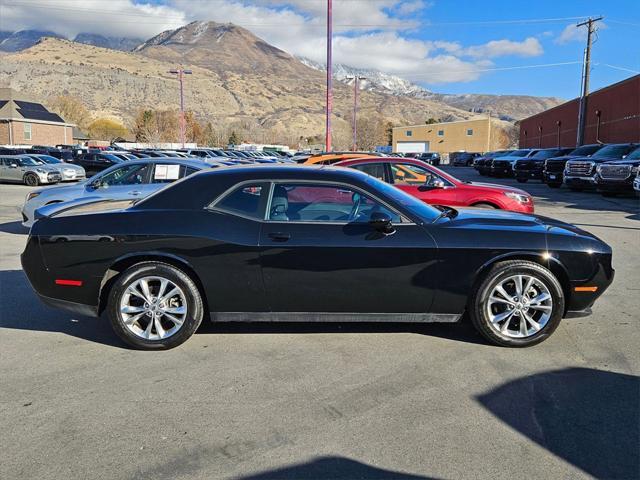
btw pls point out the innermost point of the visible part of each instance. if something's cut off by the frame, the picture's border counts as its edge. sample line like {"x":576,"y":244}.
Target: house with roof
{"x":25,"y":121}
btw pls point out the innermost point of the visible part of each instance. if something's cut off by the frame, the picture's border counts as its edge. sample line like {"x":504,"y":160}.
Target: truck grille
{"x":580,"y":168}
{"x":615,"y":172}
{"x":554,"y":165}
{"x":524,"y":165}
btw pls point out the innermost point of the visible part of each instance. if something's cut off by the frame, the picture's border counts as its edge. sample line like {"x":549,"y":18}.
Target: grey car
{"x":24,"y":169}
{"x":123,"y":181}
{"x":69,"y":171}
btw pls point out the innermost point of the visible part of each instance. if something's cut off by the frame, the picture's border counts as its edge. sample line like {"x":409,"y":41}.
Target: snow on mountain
{"x":375,"y":80}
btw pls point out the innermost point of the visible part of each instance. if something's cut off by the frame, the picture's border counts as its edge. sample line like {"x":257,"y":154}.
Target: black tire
{"x":554,"y":185}
{"x":499,"y":272}
{"x":194,"y":305}
{"x":522,"y":180}
{"x":31,"y":180}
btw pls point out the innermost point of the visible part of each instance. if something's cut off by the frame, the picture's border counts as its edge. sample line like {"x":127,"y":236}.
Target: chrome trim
{"x":334,"y":317}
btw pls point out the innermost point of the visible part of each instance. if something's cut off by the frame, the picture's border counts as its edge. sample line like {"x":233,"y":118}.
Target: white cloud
{"x":573,"y":33}
{"x":368,"y":34}
{"x":529,"y":47}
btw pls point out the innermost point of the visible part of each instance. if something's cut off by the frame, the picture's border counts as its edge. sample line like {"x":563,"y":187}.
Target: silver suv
{"x":27,"y":170}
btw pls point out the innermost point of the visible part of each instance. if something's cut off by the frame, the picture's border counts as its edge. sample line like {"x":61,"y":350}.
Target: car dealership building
{"x":612,"y":116}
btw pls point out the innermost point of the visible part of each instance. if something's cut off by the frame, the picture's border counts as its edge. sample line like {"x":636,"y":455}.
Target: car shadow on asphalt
{"x":589,"y":418}
{"x":335,"y":468}
{"x":20,"y":309}
{"x":13,"y":227}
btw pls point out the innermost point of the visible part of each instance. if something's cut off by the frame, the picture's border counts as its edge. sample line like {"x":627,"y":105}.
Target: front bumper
{"x":636,"y":184}
{"x":529,"y":174}
{"x":50,"y":177}
{"x":581,"y":182}
{"x":614,"y":185}
{"x":552,"y":177}
{"x":498,"y":170}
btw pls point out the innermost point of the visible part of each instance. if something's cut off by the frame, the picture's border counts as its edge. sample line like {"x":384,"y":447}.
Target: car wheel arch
{"x":486,"y":202}
{"x":123,"y":263}
{"x":552,"y":264}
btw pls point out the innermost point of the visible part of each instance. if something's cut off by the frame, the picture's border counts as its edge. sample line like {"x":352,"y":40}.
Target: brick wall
{"x":4,"y":133}
{"x":41,"y":134}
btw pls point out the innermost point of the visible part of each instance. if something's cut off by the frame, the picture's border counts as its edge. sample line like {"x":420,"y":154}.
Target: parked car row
{"x":610,"y":169}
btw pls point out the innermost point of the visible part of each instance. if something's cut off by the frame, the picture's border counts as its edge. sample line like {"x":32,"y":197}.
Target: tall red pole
{"x":329,"y":77}
{"x":355,"y":113}
{"x":183,"y":126}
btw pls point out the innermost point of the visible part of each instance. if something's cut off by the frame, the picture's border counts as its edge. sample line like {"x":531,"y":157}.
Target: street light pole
{"x":356,"y":87}
{"x":183,"y":126}
{"x":329,"y":105}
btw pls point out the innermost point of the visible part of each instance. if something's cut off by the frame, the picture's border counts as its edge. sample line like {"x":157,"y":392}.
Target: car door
{"x":320,"y":254}
{"x":4,"y":169}
{"x":162,"y":174}
{"x":122,"y":183}
{"x":423,"y":183}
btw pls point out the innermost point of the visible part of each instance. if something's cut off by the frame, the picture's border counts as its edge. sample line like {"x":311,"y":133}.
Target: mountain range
{"x":237,"y":77}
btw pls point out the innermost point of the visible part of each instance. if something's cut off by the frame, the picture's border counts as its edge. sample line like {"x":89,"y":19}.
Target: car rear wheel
{"x":31,"y":180}
{"x":154,"y":306}
{"x":517,"y":304}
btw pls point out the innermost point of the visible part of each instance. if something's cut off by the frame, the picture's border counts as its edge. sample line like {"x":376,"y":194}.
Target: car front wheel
{"x":517,"y":304}
{"x":154,"y":305}
{"x":31,"y":180}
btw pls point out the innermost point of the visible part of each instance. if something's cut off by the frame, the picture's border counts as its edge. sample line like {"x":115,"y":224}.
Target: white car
{"x":69,"y":171}
{"x":24,"y":169}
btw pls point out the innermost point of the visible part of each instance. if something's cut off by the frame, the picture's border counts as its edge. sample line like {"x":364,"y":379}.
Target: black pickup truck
{"x":552,"y":173}
{"x":580,"y":173}
{"x":617,"y":177}
{"x":530,"y":168}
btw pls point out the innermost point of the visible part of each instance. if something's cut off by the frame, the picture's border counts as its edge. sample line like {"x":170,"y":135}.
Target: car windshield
{"x":519,"y":153}
{"x":635,"y":155}
{"x":612,"y":151}
{"x":48,"y":159}
{"x":585,"y":150}
{"x":542,"y":154}
{"x":411,"y":203}
{"x":28,"y":162}
{"x":112,"y":157}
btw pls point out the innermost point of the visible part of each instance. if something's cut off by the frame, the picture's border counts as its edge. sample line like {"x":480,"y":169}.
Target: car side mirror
{"x":382,"y":223}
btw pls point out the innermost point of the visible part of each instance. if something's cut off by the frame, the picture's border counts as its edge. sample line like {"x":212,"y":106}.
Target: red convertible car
{"x":433,"y":186}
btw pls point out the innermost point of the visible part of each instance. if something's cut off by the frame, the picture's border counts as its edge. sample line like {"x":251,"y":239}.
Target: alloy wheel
{"x":153,"y":308}
{"x":519,"y":306}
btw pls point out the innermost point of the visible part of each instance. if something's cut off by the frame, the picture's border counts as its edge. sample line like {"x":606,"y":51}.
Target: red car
{"x":436,"y":187}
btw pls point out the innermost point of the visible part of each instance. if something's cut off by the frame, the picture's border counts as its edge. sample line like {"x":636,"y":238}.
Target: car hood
{"x":506,"y":220}
{"x":495,"y":186}
{"x":593,"y":159}
{"x":63,"y":190}
{"x":46,"y":167}
{"x":632,"y":162}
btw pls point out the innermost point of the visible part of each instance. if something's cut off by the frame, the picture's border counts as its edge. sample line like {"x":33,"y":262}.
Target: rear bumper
{"x":73,"y":307}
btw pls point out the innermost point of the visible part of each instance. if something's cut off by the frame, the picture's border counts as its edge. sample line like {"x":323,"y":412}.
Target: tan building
{"x":480,"y":135}
{"x":24,"y":121}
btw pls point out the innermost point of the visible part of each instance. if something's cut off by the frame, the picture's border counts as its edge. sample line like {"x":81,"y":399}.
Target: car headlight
{"x":634,"y":170}
{"x":32,"y":195}
{"x":518,"y":197}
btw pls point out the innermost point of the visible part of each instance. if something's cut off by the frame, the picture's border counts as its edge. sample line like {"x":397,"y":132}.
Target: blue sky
{"x":445,"y":45}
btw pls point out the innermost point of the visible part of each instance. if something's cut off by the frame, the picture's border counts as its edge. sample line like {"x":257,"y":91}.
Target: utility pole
{"x":183,"y":125}
{"x":356,"y":87}
{"x":329,"y":106}
{"x":586,"y":71}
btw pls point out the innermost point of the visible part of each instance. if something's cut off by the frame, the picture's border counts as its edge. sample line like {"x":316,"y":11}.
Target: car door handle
{"x":279,"y":236}
{"x":135,"y":192}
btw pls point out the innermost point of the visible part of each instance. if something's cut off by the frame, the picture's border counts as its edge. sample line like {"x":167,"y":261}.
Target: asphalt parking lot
{"x":326,"y":400}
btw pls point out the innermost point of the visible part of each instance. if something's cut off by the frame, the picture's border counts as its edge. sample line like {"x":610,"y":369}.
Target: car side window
{"x":374,"y":169}
{"x":167,"y":173}
{"x":246,"y":201}
{"x":299,"y":202}
{"x":409,"y":174}
{"x":135,"y":174}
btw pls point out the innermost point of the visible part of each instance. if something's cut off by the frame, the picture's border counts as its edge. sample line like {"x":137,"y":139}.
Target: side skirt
{"x":334,"y":317}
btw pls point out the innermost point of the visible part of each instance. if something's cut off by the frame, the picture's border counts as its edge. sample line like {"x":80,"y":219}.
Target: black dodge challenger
{"x":294,"y":243}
